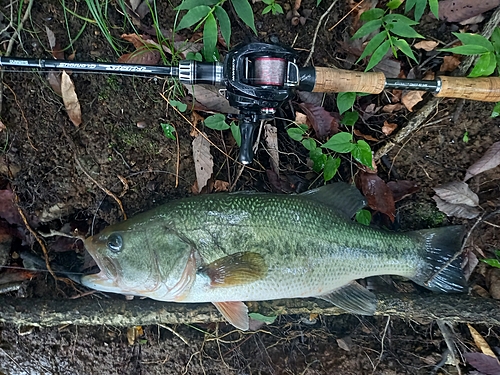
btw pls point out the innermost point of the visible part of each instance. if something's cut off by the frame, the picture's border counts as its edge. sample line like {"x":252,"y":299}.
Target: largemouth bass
{"x":235,"y":247}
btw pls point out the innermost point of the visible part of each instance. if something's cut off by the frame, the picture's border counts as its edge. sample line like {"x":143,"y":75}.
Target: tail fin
{"x":439,"y":271}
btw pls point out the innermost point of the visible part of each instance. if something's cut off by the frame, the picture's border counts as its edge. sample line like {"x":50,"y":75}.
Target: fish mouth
{"x":102,"y":282}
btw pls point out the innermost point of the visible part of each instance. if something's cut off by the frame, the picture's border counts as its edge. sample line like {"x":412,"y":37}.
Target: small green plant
{"x":419,"y":6}
{"x":393,"y":26}
{"x":208,"y":13}
{"x":168,"y":130}
{"x":494,"y":262}
{"x":364,"y":217}
{"x":489,"y":55}
{"x":218,"y":122}
{"x":465,"y":138}
{"x":273,"y":7}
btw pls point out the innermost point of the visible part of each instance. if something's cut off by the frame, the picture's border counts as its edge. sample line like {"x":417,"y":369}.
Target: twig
{"x":11,"y":44}
{"x":334,"y":2}
{"x":382,"y":344}
{"x":346,"y":15}
{"x":416,"y":122}
{"x":448,"y":338}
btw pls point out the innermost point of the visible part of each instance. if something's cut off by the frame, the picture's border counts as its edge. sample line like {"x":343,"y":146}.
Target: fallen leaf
{"x":365,"y":136}
{"x":133,"y":334}
{"x":426,"y":45}
{"x":300,"y":118}
{"x":493,"y":282}
{"x":8,"y":209}
{"x":402,"y":189}
{"x":460,"y":10}
{"x":412,"y":98}
{"x":220,"y":185}
{"x":484,"y":363}
{"x":203,"y":160}
{"x":377,"y":193}
{"x":143,"y":55}
{"x":209,"y":97}
{"x":389,"y":108}
{"x":54,"y":79}
{"x":57,"y":52}
{"x":480,"y":342}
{"x":271,"y":138}
{"x":125,"y":184}
{"x":450,"y":63}
{"x":322,"y":121}
{"x":70,"y":99}
{"x":473,"y":20}
{"x":315,"y":98}
{"x":456,"y":210}
{"x":471,"y":262}
{"x":2,"y":126}
{"x":390,"y":67}
{"x":389,"y":127}
{"x":489,"y":160}
{"x":195,"y":119}
{"x":345,"y":343}
{"x":457,"y":192}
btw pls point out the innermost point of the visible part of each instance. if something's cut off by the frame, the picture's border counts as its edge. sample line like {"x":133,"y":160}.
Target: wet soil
{"x":48,"y":162}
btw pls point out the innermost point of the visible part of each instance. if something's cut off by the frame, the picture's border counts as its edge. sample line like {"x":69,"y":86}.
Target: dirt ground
{"x":47,"y":161}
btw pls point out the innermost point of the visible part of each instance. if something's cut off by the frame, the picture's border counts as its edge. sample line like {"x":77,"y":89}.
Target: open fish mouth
{"x":101,"y":281}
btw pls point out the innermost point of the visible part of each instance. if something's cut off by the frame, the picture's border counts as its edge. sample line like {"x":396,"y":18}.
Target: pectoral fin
{"x":235,"y":313}
{"x":353,"y":298}
{"x":235,"y":269}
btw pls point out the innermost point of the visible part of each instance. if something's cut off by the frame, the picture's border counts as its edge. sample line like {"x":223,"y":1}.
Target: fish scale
{"x":228,"y":248}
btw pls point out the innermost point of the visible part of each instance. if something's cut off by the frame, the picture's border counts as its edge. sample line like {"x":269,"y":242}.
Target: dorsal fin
{"x":339,"y":196}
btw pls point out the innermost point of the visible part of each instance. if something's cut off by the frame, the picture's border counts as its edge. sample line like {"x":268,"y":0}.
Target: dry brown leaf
{"x":480,"y":342}
{"x":390,"y":108}
{"x":483,"y":363}
{"x":125,"y":185}
{"x":489,"y":160}
{"x":220,"y":185}
{"x":203,"y":160}
{"x":473,"y":20}
{"x":411,"y":99}
{"x":57,"y":52}
{"x":143,"y":55}
{"x":2,"y":126}
{"x":457,"y":192}
{"x":133,"y":334}
{"x":322,"y":121}
{"x":315,"y":98}
{"x":300,"y":118}
{"x":209,"y":97}
{"x":195,"y":119}
{"x":365,"y":136}
{"x":377,"y":193}
{"x":389,"y":127}
{"x":460,"y":10}
{"x":70,"y":99}
{"x":450,"y":63}
{"x":402,"y":189}
{"x":426,"y":45}
{"x":493,"y":282}
{"x":54,"y":79}
{"x":345,"y":343}
{"x":471,"y":262}
{"x":457,"y":210}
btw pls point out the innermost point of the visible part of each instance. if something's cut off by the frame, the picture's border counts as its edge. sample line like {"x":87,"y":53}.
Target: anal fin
{"x":235,"y":312}
{"x":353,"y":298}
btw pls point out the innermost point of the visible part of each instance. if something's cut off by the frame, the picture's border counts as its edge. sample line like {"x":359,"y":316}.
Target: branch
{"x":452,"y":308}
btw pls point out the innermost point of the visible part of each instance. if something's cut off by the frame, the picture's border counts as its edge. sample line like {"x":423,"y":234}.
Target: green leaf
{"x":277,"y":9}
{"x":404,"y":30}
{"x":373,"y":44}
{"x":345,"y":101}
{"x":434,"y":5}
{"x":245,"y":12}
{"x":318,"y":2}
{"x":262,"y":318}
{"x":496,"y":110}
{"x":209,"y":38}
{"x":235,"y":131}
{"x":497,"y":253}
{"x":474,"y":40}
{"x":304,"y":127}
{"x":340,"y":142}
{"x":367,"y":28}
{"x":295,"y":133}
{"x":495,"y":39}
{"x":189,"y":4}
{"x":378,"y":55}
{"x":179,"y":105}
{"x":466,"y":50}
{"x":224,"y":23}
{"x":194,"y":56}
{"x":309,"y":143}
{"x":485,"y":65}
{"x":419,"y":9}
{"x":350,"y":118}
{"x":405,"y":48}
{"x":394,"y":17}
{"x":318,"y":158}
{"x":362,"y":153}
{"x":492,"y":262}
{"x":168,"y":130}
{"x":409,"y":5}
{"x":394,"y":4}
{"x":465,"y":138}
{"x":216,"y":122}
{"x":192,"y":16}
{"x":331,"y":167}
{"x":372,"y":14}
{"x":364,"y":217}
{"x":267,"y":9}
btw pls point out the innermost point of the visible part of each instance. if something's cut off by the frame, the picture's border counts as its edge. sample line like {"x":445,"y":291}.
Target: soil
{"x":47,"y":161}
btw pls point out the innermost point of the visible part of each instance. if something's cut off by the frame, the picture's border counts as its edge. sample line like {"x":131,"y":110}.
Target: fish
{"x":228,"y":248}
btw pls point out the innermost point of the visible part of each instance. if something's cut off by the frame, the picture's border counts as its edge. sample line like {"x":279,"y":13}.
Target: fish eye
{"x":115,"y":243}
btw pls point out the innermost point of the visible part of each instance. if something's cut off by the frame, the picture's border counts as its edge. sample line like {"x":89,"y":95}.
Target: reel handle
{"x":485,"y":89}
{"x":247,"y":130}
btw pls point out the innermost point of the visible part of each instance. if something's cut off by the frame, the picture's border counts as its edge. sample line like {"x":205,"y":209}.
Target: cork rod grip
{"x":485,"y":89}
{"x":338,"y":80}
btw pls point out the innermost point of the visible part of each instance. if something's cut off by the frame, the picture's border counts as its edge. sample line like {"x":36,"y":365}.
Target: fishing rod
{"x":257,"y":78}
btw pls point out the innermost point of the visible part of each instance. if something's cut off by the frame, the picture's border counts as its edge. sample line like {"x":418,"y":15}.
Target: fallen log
{"x":119,"y":312}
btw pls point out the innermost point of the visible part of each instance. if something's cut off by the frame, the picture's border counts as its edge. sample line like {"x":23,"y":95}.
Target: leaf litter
{"x":489,"y":160}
